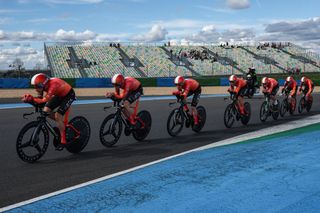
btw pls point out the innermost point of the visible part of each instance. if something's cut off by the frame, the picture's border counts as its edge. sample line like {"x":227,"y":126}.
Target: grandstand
{"x":103,"y":60}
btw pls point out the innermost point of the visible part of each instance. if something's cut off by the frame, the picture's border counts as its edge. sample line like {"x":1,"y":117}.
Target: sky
{"x":26,"y":24}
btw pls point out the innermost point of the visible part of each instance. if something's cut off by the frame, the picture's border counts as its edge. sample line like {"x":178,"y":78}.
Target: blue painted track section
{"x":274,"y":174}
{"x":99,"y":101}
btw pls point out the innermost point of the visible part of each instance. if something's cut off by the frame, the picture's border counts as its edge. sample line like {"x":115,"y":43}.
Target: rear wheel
{"x":110,"y":130}
{"x":309,"y":105}
{"x":229,"y":116}
{"x":141,"y":133}
{"x":264,"y":111}
{"x":202,"y":118}
{"x":175,"y":122}
{"x":32,"y":150}
{"x":245,"y":119}
{"x":77,"y":144}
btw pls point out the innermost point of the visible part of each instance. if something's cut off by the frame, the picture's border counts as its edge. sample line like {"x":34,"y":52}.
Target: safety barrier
{"x":224,"y":82}
{"x":11,"y":83}
{"x":92,"y":82}
{"x":165,"y":82}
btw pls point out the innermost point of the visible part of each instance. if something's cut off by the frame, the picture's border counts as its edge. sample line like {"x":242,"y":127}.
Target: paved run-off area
{"x":279,"y":172}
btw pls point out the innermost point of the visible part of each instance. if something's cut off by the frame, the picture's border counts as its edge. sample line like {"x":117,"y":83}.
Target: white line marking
{"x":252,"y":135}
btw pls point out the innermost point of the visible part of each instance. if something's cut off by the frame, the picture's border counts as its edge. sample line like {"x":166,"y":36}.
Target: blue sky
{"x":26,"y":24}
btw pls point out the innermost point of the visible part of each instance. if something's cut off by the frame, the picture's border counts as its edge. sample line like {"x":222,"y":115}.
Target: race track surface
{"x":20,"y":181}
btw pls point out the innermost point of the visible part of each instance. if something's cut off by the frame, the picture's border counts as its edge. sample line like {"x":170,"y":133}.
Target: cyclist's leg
{"x":194,"y":103}
{"x":241,"y":105}
{"x":131,"y":104}
{"x":52,"y":105}
{"x":273,"y":95}
{"x":240,"y":101}
{"x":64,"y":109}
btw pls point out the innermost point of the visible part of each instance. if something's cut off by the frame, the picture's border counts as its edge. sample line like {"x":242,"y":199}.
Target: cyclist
{"x":252,"y":81}
{"x":271,"y":87}
{"x":306,"y":86}
{"x":186,"y":88}
{"x":132,"y":90}
{"x":290,"y":86}
{"x":238,"y":87}
{"x":59,"y":96}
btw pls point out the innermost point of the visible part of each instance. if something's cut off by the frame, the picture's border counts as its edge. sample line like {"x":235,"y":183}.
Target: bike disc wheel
{"x":264,"y":111}
{"x":309,"y":105}
{"x":31,"y":151}
{"x":82,"y":125}
{"x":110,"y":131}
{"x":245,"y":119}
{"x":175,"y":122}
{"x":141,"y":133}
{"x":229,"y":116}
{"x":202,"y":118}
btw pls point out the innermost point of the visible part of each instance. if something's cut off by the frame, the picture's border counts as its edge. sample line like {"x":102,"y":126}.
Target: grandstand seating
{"x":156,"y":61}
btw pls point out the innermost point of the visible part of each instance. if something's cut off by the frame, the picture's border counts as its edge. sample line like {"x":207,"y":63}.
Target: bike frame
{"x":181,"y":110}
{"x":43,"y":122}
{"x":119,"y":115}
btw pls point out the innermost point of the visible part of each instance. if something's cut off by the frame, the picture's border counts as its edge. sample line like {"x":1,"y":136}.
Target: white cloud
{"x":175,"y":24}
{"x":29,"y":56}
{"x":157,"y":33}
{"x":62,"y":35}
{"x":210,"y":34}
{"x":238,"y":4}
{"x":74,"y":1}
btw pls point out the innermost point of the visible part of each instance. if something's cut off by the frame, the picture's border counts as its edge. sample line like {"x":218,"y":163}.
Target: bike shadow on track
{"x":167,"y":146}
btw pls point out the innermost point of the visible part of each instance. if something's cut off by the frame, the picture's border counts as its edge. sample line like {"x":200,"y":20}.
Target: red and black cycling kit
{"x":308,"y":87}
{"x":58,"y":94}
{"x":132,"y":90}
{"x":291,"y":86}
{"x":271,"y":87}
{"x":239,"y":87}
{"x":190,"y":87}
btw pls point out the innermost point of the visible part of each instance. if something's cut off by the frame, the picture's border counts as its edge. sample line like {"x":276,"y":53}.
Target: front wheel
{"x":301,"y":105}
{"x":175,"y":122}
{"x":202,"y":114}
{"x":264,"y":111}
{"x":110,"y":130}
{"x":245,"y":119}
{"x":32,"y":142}
{"x":275,"y":112}
{"x":229,"y":116}
{"x":77,"y":141}
{"x":145,"y":122}
{"x":283,"y":107}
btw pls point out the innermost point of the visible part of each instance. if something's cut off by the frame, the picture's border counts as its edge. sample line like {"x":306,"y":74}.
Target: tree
{"x":17,"y":65}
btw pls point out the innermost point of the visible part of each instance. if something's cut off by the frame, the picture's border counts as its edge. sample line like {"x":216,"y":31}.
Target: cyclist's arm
{"x":119,"y":95}
{"x":44,"y":99}
{"x":40,"y":94}
{"x":269,"y":90}
{"x":231,"y":89}
{"x":309,"y":88}
{"x":294,"y":90}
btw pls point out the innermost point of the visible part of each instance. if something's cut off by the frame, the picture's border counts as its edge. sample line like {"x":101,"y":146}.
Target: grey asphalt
{"x":21,"y":181}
